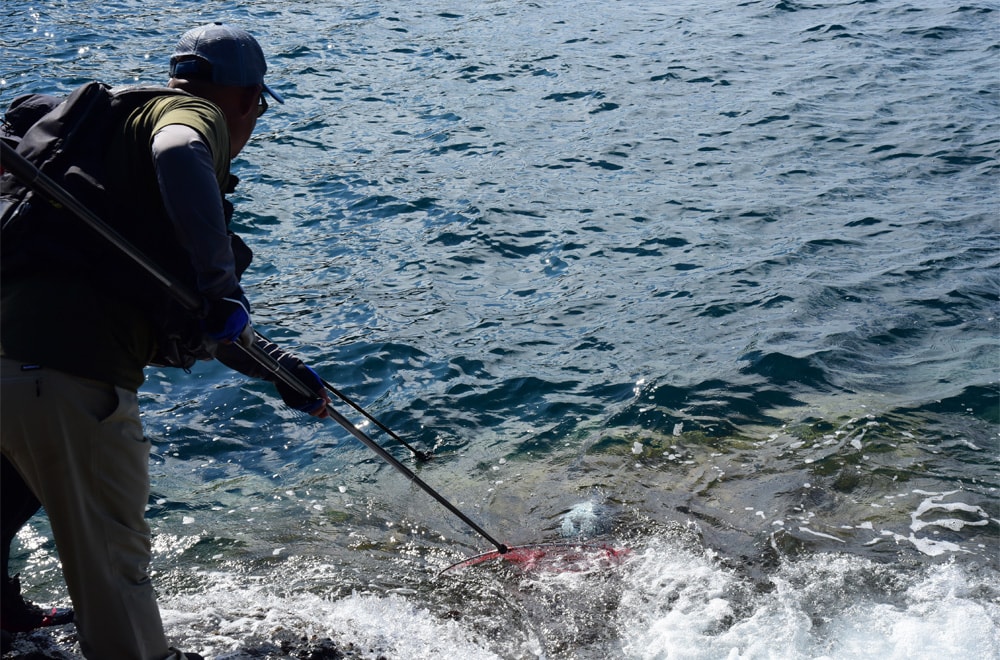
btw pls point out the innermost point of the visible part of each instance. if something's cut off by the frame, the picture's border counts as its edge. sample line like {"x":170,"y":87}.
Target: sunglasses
{"x":261,"y":106}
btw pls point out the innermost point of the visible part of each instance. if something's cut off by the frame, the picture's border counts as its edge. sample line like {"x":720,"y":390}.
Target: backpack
{"x":22,"y":113}
{"x":67,"y":140}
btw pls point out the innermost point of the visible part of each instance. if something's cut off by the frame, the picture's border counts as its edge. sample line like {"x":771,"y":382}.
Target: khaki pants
{"x":78,"y":443}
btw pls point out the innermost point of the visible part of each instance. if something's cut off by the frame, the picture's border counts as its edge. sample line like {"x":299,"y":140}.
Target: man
{"x":80,"y":325}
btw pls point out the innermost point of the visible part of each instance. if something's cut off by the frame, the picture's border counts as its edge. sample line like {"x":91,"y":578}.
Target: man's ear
{"x":249,"y":98}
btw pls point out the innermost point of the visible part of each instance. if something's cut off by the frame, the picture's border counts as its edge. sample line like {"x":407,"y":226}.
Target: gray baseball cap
{"x":222,"y":54}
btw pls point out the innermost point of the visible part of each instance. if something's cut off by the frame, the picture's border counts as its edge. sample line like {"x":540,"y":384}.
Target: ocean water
{"x":713,"y":282}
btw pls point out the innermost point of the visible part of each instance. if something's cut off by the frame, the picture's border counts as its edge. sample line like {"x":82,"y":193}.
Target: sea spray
{"x":680,"y":602}
{"x":585,"y":520}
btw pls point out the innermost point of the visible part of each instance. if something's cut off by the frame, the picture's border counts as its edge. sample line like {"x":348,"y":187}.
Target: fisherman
{"x":79,"y":328}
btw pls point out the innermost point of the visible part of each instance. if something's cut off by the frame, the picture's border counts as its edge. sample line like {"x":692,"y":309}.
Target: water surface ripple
{"x":726,"y":274}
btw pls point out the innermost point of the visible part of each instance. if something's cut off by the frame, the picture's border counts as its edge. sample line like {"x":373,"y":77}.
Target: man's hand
{"x":315,"y":406}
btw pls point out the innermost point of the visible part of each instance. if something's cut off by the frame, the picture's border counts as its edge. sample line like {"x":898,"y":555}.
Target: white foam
{"x":938,"y":617}
{"x":679,"y":604}
{"x":820,"y":534}
{"x":666,"y":601}
{"x":934,"y":503}
{"x":581,"y":520}
{"x":228,"y":612}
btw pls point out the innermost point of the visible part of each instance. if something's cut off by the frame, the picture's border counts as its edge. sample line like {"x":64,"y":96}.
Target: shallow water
{"x":715,"y":284}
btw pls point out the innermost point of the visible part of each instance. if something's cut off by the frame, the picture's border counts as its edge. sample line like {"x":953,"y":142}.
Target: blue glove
{"x":306,"y":374}
{"x":226,"y":318}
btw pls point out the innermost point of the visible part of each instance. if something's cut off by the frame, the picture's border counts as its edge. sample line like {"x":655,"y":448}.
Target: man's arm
{"x":193,"y":200}
{"x":186,"y":177}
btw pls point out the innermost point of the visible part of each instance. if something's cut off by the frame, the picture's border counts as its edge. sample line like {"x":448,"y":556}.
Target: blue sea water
{"x":715,"y":282}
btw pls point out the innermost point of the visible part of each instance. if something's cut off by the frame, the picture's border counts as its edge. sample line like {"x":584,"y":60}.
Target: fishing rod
{"x":420,"y":456}
{"x":44,"y":185}
{"x":267,"y":361}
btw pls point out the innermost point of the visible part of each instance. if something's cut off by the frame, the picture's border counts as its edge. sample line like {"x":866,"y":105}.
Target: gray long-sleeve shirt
{"x":186,"y":176}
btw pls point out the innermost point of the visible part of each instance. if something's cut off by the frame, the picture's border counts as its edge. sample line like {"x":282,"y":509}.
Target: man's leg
{"x":17,"y":505}
{"x":79,"y":446}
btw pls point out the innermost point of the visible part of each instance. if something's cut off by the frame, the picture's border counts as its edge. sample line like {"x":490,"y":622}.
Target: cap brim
{"x":275,"y":95}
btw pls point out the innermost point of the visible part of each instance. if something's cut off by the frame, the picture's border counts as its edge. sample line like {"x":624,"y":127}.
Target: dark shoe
{"x":19,"y":615}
